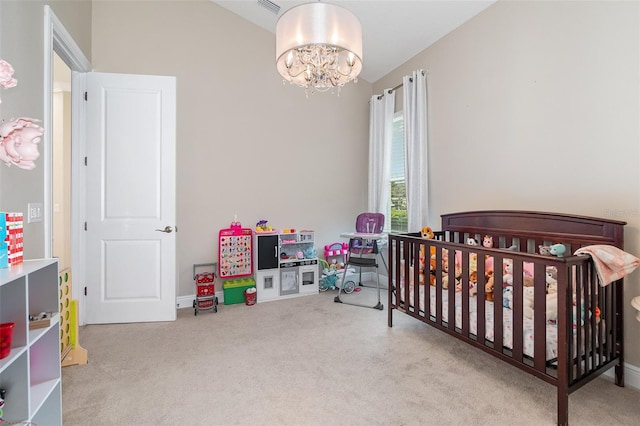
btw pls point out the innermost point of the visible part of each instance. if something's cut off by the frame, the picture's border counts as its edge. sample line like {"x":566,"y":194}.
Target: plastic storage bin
{"x":234,"y":289}
{"x":6,"y":336}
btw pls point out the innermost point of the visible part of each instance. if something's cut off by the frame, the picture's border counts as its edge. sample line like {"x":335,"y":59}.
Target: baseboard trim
{"x":631,"y":376}
{"x":183,"y":302}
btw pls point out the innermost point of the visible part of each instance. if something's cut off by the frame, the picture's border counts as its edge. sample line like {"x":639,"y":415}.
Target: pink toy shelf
{"x":235,"y":245}
{"x":336,"y":249}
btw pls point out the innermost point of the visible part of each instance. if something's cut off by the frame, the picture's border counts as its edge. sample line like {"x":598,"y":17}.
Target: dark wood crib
{"x":572,"y":332}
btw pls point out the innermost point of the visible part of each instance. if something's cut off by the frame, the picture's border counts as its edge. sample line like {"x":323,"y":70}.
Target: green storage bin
{"x":234,"y":289}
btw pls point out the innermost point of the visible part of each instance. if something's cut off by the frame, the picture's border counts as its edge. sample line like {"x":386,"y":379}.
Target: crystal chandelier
{"x":319,"y":46}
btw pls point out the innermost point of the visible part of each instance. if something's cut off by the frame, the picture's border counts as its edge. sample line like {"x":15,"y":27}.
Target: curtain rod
{"x":393,"y":89}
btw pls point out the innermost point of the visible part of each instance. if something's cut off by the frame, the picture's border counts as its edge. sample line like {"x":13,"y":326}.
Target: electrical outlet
{"x":34,"y":212}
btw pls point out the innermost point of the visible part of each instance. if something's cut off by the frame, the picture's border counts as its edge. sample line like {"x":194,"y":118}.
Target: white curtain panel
{"x":380,"y":138}
{"x":415,"y":142}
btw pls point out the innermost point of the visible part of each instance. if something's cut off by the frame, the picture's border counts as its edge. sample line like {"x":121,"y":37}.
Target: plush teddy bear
{"x":551,"y":312}
{"x":507,"y":273}
{"x":473,"y":283}
{"x":472,"y":242}
{"x":488,"y":286}
{"x":487,"y":241}
{"x":432,"y":271}
{"x":527,"y":302}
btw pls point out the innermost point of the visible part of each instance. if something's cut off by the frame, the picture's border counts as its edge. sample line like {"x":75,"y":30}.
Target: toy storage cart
{"x":206,"y":299}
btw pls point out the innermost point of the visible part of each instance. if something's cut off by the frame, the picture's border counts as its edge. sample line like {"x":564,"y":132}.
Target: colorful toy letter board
{"x":11,"y":239}
{"x":234,"y":252}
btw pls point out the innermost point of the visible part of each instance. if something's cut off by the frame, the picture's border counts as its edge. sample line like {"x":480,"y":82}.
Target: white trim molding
{"x":631,"y":376}
{"x":57,"y":39}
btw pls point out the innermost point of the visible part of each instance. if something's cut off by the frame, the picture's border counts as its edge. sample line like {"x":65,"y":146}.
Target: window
{"x":398,"y":197}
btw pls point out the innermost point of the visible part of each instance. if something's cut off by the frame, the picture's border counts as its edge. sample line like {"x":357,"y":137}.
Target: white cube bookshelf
{"x":31,"y":373}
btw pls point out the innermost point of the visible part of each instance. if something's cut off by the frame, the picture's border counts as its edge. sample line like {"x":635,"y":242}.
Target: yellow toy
{"x":262,"y":226}
{"x":427,"y":233}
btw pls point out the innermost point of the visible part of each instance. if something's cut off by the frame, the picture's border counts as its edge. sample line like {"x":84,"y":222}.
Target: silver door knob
{"x":166,"y":229}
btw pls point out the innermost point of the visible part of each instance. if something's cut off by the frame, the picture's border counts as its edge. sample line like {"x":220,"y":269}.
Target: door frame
{"x":58,"y":39}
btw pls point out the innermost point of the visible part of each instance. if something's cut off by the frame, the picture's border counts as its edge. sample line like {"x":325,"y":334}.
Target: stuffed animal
{"x":473,"y":283}
{"x":552,"y":279}
{"x":557,"y":250}
{"x":544,"y":250}
{"x":487,"y":241}
{"x":472,"y":242}
{"x":427,"y":233}
{"x":507,"y":297}
{"x":488,"y":287}
{"x":432,"y":271}
{"x":507,"y":275}
{"x":551,"y":312}
{"x":527,"y":302}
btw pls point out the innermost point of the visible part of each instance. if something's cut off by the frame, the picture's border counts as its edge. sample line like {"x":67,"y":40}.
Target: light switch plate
{"x":34,"y":212}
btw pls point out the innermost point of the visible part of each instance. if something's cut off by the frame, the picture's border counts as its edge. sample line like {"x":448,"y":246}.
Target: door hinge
{"x":85,"y":290}
{"x":85,"y":96}
{"x":85,"y":161}
{"x":85,"y":226}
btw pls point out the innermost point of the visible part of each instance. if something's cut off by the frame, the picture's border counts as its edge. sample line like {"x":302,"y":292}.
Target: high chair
{"x":364,"y":251}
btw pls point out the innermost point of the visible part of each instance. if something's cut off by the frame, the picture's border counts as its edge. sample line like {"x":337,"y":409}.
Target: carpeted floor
{"x":310,"y":361}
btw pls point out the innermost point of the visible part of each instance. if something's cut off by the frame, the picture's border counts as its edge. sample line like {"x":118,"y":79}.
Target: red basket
{"x":250,"y":298}
{"x":203,"y":278}
{"x":6,"y":336}
{"x":206,"y":290}
{"x":205,"y":285}
{"x":205,"y":303}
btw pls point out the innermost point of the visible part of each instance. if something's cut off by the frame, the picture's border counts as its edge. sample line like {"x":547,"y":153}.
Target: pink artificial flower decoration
{"x":6,"y":75}
{"x":18,"y":142}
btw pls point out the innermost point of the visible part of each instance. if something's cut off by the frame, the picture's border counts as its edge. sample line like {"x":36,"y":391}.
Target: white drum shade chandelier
{"x":319,"y":46}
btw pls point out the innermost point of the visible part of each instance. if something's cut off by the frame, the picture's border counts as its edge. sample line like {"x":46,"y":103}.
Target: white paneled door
{"x":131,"y":213}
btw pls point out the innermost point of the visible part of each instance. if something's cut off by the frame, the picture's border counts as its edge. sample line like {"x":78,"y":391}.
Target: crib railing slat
{"x":451,"y":290}
{"x":578,"y":322}
{"x":517,"y":310}
{"x":466,"y":285}
{"x":481,"y":297}
{"x":539,"y":316}
{"x":498,"y":317}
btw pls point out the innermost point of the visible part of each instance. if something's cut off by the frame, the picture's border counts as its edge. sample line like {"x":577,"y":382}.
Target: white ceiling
{"x":393,"y":30}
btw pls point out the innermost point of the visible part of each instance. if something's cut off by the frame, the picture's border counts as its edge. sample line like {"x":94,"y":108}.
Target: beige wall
{"x":535,"y":106}
{"x":246,"y":144}
{"x":22,"y":45}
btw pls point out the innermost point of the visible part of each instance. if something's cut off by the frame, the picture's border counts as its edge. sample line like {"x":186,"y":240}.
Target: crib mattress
{"x":507,"y":318}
